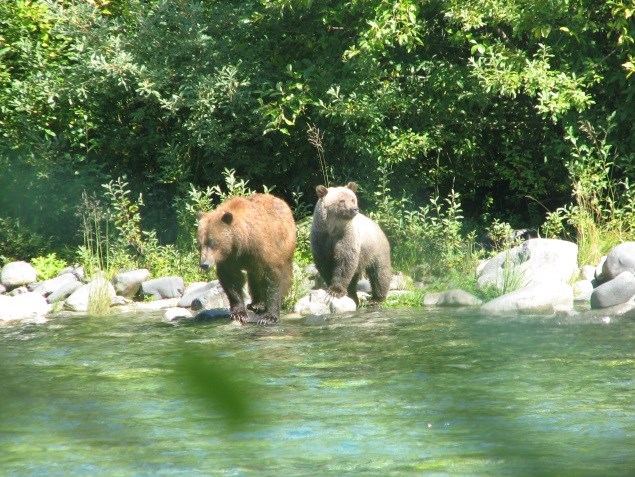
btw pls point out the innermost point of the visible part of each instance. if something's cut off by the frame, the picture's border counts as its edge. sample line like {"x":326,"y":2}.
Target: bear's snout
{"x":351,"y":212}
{"x":205,"y":265}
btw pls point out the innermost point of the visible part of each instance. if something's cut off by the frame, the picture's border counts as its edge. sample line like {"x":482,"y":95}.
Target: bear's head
{"x":214,"y":238}
{"x":339,"y":202}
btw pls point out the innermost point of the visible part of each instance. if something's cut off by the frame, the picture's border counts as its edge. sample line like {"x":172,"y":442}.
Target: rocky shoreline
{"x":543,"y":274}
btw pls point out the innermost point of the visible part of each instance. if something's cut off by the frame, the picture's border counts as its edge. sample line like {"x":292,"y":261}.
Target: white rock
{"x":582,"y":290}
{"x":15,"y":274}
{"x":587,"y":272}
{"x":172,"y":314}
{"x":454,"y":297}
{"x":128,"y":283}
{"x":27,"y":306}
{"x":534,"y":262}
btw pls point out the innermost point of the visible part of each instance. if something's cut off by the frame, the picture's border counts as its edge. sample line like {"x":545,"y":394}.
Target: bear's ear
{"x":321,"y":191}
{"x":199,"y":215}
{"x":227,"y":217}
{"x":352,"y":186}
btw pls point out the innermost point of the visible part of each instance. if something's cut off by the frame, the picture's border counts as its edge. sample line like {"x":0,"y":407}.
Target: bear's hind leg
{"x":379,"y":277}
{"x":257,"y":293}
{"x":273,"y":296}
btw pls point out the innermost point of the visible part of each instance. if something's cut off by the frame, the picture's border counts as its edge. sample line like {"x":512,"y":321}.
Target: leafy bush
{"x":430,"y":237}
{"x":18,"y":242}
{"x":602,"y":213}
{"x":48,"y":266}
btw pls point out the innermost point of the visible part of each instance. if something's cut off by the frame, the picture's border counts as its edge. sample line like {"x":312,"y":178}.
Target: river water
{"x":383,"y":392}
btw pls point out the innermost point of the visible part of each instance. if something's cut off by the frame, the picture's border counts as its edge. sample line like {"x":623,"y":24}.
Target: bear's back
{"x":262,"y":224}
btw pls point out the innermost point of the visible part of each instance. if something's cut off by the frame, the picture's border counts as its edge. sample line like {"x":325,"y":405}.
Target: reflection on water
{"x":384,"y":392}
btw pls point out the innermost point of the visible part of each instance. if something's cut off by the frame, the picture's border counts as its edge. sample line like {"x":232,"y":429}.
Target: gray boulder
{"x":454,"y":297}
{"x":194,"y":290}
{"x":63,"y":292}
{"x":543,"y":298}
{"x":76,"y":270}
{"x":128,"y":284}
{"x":51,"y":285}
{"x":618,"y":290}
{"x":26,"y":306}
{"x":536,"y":261}
{"x":598,"y":270}
{"x":620,"y":258}
{"x":209,"y":299}
{"x":15,"y":274}
{"x":164,"y":287}
{"x":218,"y":314}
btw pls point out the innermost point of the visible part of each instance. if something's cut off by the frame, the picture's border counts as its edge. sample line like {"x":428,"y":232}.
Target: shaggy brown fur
{"x":255,"y":234}
{"x":347,"y":245}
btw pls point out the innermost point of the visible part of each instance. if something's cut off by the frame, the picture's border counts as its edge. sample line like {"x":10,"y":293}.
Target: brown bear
{"x":347,"y":245}
{"x":255,"y":234}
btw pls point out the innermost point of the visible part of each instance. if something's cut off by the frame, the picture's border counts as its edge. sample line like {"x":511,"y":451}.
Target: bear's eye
{"x":342,"y":202}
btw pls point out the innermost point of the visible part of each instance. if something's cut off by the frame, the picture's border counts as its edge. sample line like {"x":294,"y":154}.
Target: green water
{"x":407,"y":392}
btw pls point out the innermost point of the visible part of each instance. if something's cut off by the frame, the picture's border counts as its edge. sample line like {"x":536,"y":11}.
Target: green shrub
{"x":602,"y":213}
{"x":48,"y":266}
{"x":19,"y":243}
{"x":430,"y":238}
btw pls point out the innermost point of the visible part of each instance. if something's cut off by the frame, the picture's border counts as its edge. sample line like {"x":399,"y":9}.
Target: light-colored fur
{"x":347,"y":245}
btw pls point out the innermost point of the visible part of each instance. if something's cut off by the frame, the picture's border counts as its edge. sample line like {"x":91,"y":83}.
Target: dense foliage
{"x":416,"y":100}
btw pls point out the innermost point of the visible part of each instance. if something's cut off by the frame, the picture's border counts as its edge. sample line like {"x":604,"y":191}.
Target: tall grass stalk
{"x":99,"y":296}
{"x":94,"y":254}
{"x":316,"y":139}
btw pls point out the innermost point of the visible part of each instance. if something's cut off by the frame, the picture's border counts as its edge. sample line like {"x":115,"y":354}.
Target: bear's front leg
{"x":239,"y":314}
{"x":232,"y":280}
